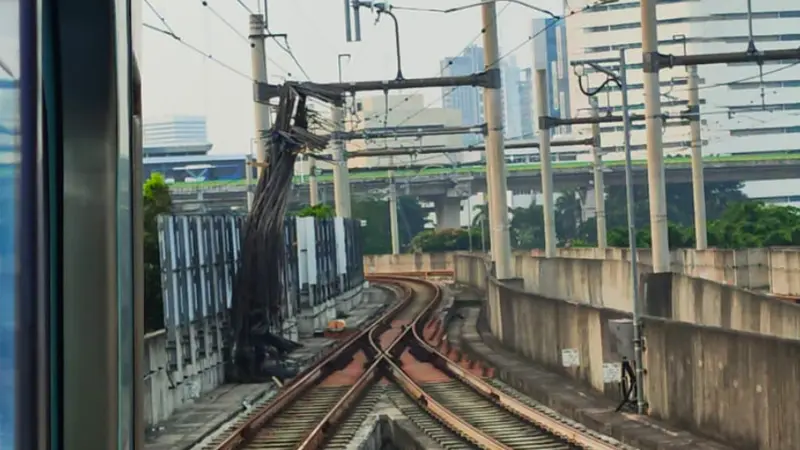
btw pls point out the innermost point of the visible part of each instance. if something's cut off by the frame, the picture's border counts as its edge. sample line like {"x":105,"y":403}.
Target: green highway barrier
{"x":516,"y":167}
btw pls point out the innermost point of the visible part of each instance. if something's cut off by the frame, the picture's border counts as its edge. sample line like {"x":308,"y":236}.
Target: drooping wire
{"x":197,"y":50}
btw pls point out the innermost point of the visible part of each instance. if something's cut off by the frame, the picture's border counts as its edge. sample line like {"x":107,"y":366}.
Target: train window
{"x":9,"y":157}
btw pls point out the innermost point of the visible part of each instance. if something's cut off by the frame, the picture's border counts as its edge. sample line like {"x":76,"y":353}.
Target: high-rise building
{"x":9,"y":117}
{"x":739,"y":113}
{"x":406,"y":113}
{"x":550,"y":47}
{"x":511,"y":98}
{"x":176,"y":136}
{"x":467,"y":99}
{"x":525,"y":90}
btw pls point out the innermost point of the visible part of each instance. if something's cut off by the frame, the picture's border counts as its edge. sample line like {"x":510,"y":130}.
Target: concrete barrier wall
{"x":166,"y":388}
{"x":408,"y":262}
{"x":748,"y":268}
{"x":737,"y":387}
{"x":704,"y":302}
{"x":607,"y":283}
{"x":784,"y":272}
{"x":568,"y":338}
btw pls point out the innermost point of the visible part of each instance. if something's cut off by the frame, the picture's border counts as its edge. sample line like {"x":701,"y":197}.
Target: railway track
{"x":390,"y":361}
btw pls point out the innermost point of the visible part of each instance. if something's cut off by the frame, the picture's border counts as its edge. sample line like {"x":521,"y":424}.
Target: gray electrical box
{"x":622,"y":335}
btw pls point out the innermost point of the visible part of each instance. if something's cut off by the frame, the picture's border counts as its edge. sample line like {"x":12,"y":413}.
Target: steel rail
{"x":317,"y":436}
{"x":511,"y":404}
{"x":416,"y":392}
{"x":305,"y":380}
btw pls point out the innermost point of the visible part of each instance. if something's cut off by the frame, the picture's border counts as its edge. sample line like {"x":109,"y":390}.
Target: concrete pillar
{"x":448,"y":212}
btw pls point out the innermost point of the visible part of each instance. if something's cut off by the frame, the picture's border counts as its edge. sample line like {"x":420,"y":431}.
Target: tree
{"x":411,"y":220}
{"x":157,"y":201}
{"x":320,"y":211}
{"x":447,"y":240}
{"x":741,"y":225}
{"x":680,"y":203}
{"x":527,"y":227}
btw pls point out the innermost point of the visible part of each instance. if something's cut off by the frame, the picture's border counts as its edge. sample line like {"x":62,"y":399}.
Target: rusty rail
{"x":511,"y":404}
{"x":307,"y":379}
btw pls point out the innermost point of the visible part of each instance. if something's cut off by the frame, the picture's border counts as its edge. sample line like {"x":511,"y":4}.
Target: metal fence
{"x":200,"y":256}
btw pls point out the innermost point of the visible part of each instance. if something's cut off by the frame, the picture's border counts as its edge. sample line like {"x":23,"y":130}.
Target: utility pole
{"x":546,"y":164}
{"x":698,"y":184}
{"x":495,"y":159}
{"x":341,"y":178}
{"x":599,"y":183}
{"x":258,"y":56}
{"x":655,"y":151}
{"x":629,"y":186}
{"x":313,"y":186}
{"x":393,"y":225}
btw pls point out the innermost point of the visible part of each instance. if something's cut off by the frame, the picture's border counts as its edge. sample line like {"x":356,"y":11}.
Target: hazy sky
{"x":178,"y":80}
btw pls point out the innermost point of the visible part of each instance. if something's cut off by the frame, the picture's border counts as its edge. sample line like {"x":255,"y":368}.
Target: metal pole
{"x":393,"y":225}
{"x":313,"y":187}
{"x":495,"y":160}
{"x":341,"y":182}
{"x":599,"y":183}
{"x":698,"y":184}
{"x":547,"y":165}
{"x":637,"y":321}
{"x":655,"y":150}
{"x":258,"y":55}
{"x":469,"y":216}
{"x":248,"y":176}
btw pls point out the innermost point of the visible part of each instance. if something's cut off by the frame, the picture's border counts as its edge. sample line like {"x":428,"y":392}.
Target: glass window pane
{"x":9,"y":156}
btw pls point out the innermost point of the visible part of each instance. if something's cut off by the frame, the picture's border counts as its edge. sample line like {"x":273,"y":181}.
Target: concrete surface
{"x":193,"y":421}
{"x":607,"y":284}
{"x":737,"y":387}
{"x":773,"y":270}
{"x":569,"y":398}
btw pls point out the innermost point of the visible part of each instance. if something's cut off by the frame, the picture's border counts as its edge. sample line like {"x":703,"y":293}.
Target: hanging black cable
{"x":259,"y":293}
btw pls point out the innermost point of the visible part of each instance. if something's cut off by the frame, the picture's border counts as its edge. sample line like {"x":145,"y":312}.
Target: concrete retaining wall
{"x":737,"y":387}
{"x":408,"y":262}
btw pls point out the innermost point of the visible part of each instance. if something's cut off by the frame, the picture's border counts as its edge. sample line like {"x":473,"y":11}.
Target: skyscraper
{"x":467,"y":99}
{"x":550,"y":45}
{"x":739,"y":113}
{"x":175,"y":136}
{"x":511,"y":98}
{"x":525,"y":90}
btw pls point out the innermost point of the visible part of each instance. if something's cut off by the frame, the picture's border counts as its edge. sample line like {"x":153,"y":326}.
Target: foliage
{"x":156,"y":201}
{"x":741,"y":225}
{"x":680,"y":203}
{"x":447,"y":240}
{"x":411,"y":218}
{"x":320,"y":211}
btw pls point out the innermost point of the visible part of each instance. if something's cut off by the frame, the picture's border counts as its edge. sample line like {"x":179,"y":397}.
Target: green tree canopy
{"x":157,"y":201}
{"x":741,"y":225}
{"x":411,"y":220}
{"x":320,"y":211}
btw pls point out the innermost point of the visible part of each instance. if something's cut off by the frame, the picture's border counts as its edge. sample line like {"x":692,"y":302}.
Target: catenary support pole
{"x":599,"y":182}
{"x":313,"y":186}
{"x":393,"y":224}
{"x":495,"y":158}
{"x":546,"y":164}
{"x":341,"y":179}
{"x":698,"y":184}
{"x":655,"y":149}
{"x":258,"y":56}
{"x":631,"y":206}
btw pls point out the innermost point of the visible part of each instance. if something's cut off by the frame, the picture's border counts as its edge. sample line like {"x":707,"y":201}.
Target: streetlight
{"x":620,"y":80}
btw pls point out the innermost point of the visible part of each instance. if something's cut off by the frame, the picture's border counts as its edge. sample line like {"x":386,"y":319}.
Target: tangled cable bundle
{"x":259,"y":291}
